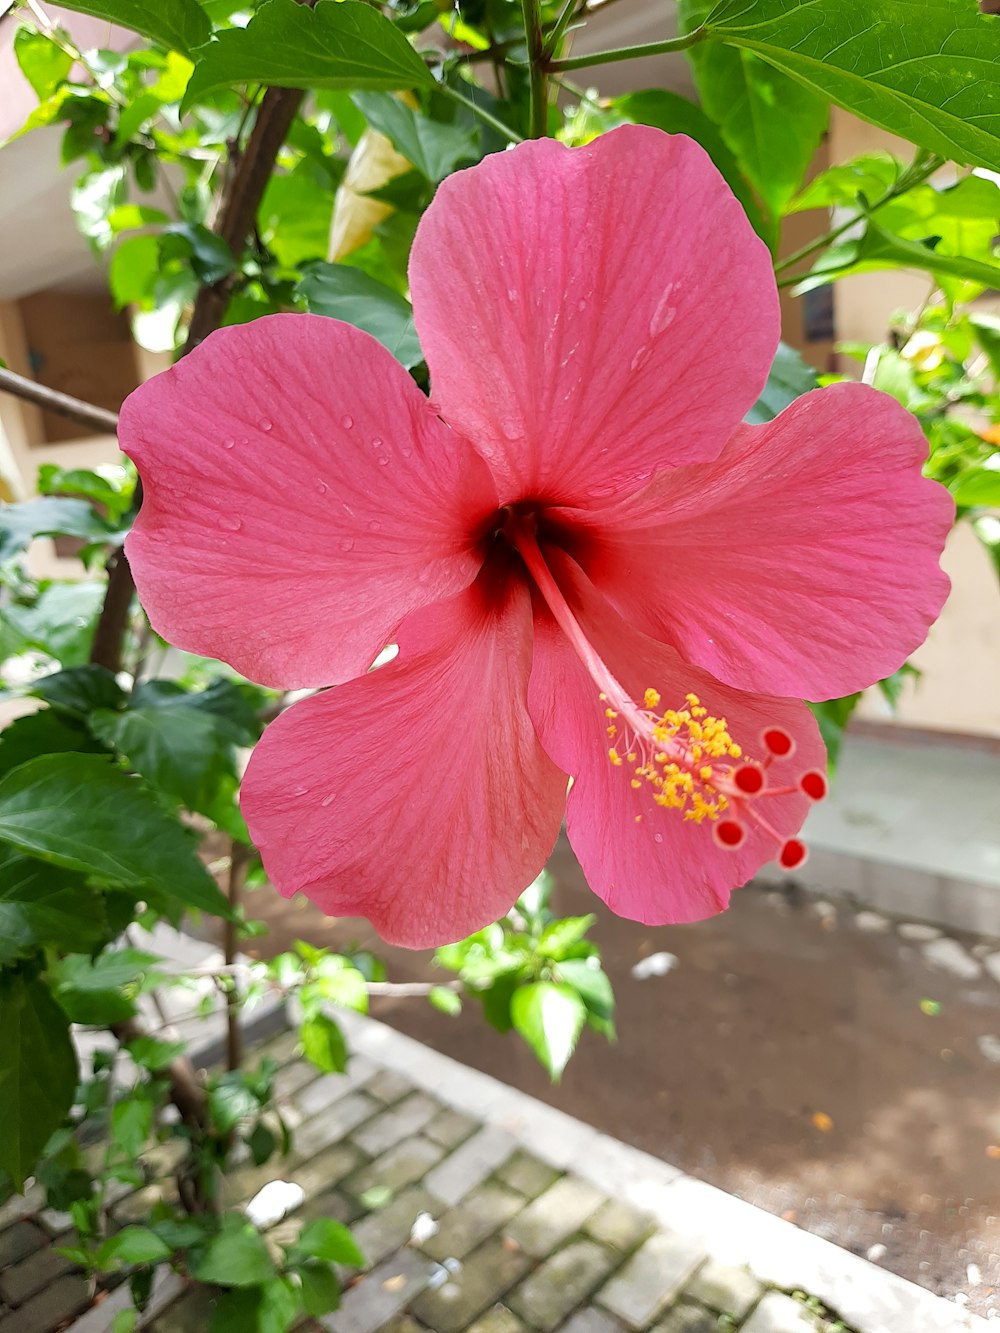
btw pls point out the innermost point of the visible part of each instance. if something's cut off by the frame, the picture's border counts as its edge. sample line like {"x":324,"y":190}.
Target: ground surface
{"x":790,"y":1056}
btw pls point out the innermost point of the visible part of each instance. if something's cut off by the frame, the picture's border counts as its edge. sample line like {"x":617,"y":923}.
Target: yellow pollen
{"x":679,"y":753}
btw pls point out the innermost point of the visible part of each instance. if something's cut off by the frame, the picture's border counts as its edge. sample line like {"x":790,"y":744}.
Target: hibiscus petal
{"x":579,"y":348}
{"x":299,"y":500}
{"x":803,"y":561}
{"x":659,"y":868}
{"x":418,"y":795}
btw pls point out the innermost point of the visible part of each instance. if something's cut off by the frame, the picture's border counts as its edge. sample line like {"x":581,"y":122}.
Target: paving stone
{"x":388,"y":1086}
{"x":21,"y":1281}
{"x":620,"y":1227}
{"x":992,"y":964}
{"x":379,"y":1296}
{"x":484,"y":1277}
{"x":470,"y":1164}
{"x":554,"y":1215}
{"x":484,"y":1211}
{"x":780,"y":1314}
{"x":401,"y":1121}
{"x":401,"y":1324}
{"x":731,"y":1291}
{"x":690,"y":1319}
{"x":591,"y":1321}
{"x":135,"y":1207}
{"x":950,"y":956}
{"x":293,"y":1078}
{"x":527,"y":1174}
{"x":565,"y":1280}
{"x":388,"y":1229}
{"x":193,"y":1310}
{"x":450,"y":1128}
{"x":18,"y":1241}
{"x":331,"y":1203}
{"x":651,"y":1279}
{"x":20,"y":1205}
{"x":332,"y":1123}
{"x":498,"y":1320}
{"x":326,"y":1169}
{"x":60,"y":1301}
{"x":394,"y":1170}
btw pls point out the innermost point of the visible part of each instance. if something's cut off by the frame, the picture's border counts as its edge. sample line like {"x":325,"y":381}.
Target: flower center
{"x":684,"y":756}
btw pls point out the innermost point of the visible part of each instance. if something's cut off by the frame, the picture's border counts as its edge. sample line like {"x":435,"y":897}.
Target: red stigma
{"x":778,"y":742}
{"x":748,"y":779}
{"x":728,"y":833}
{"x":814,"y":784}
{"x":793,"y":854}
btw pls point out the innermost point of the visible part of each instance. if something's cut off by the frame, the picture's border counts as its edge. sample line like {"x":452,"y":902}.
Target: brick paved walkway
{"x":480,"y":1210}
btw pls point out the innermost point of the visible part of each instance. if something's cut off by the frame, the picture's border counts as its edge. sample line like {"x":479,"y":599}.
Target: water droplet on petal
{"x":657,"y":837}
{"x":265,"y":423}
{"x":347,"y":422}
{"x":228,"y":443}
{"x":374,"y":526}
{"x":299,"y":791}
{"x":377,"y":442}
{"x":328,"y":800}
{"x":640,"y":358}
{"x":322,"y":487}
{"x":581,"y":306}
{"x":407,"y":453}
{"x":383,"y":459}
{"x":511,"y":294}
{"x":230,"y":522}
{"x":347,"y":543}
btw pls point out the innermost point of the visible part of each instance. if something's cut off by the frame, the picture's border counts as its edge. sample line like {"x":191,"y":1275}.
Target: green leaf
{"x":294,"y":218}
{"x":320,"y":1289}
{"x":271,"y":1308}
{"x":79,"y":690}
{"x":325,"y":1238}
{"x":133,"y":1245}
{"x":102,"y":990}
{"x":42,"y":63}
{"x":262,"y":1143}
{"x":210,"y":256}
{"x":560,"y":936}
{"x":38,"y":1073}
{"x":434,"y":148}
{"x":446,"y":1000}
{"x":879,"y":249}
{"x":868,"y":176}
{"x":134,"y":270}
{"x":236,"y":1257}
{"x":44,"y":732}
{"x":770,"y":121}
{"x":179,"y":25}
{"x":132,"y":1122}
{"x":928,"y":70}
{"x":334,"y":45}
{"x":789,"y":378}
{"x":45,"y":905}
{"x":81,"y":812}
{"x":178,"y":750}
{"x":977,"y":486}
{"x":351,"y":295}
{"x":229,"y":703}
{"x":112,"y":489}
{"x":591,"y":983}
{"x":676,"y":115}
{"x":61,"y":622}
{"x":49,"y":517}
{"x":154,"y":1053}
{"x":340,"y":984}
{"x":323,"y":1044}
{"x":549,"y":1016}
{"x":833,"y":716}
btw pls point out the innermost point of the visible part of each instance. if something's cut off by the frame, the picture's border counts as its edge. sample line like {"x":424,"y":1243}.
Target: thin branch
{"x":626,"y":53}
{"x":238,"y":861}
{"x":534,"y":33}
{"x":62,"y":404}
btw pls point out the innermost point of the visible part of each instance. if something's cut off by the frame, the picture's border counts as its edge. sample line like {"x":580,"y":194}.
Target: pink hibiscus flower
{"x":590,"y":566}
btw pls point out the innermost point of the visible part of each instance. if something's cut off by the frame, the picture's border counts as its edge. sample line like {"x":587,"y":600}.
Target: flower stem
{"x":535,"y":36}
{"x":627,"y":53}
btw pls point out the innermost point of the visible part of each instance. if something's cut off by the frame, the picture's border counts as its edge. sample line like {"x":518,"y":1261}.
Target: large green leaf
{"x":928,"y":70}
{"x":236,"y":1257}
{"x":38,"y":1073}
{"x":44,"y":732}
{"x":82,"y":812}
{"x":674,"y":114}
{"x":549,"y":1016}
{"x":52,"y":516}
{"x":102,"y":990}
{"x":61,"y":622}
{"x":789,"y":378}
{"x":178,"y":750}
{"x":337,"y":44}
{"x":770,"y":121}
{"x":44,"y":905}
{"x":435,"y":149}
{"x":179,"y":25}
{"x":42,"y":63}
{"x":351,"y":295}
{"x":877,"y":248}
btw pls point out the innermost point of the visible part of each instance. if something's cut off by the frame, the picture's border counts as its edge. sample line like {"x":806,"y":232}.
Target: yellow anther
{"x":636,"y":784}
{"x":651,"y":698}
{"x":705,"y":773}
{"x":692,"y":699}
{"x":615,"y":757}
{"x":631,"y":756}
{"x":610,"y":712}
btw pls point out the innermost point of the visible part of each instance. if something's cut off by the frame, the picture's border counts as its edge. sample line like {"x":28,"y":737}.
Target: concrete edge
{"x":732,"y":1231}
